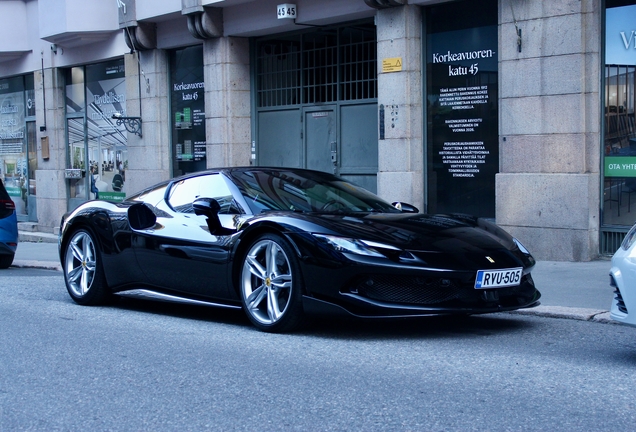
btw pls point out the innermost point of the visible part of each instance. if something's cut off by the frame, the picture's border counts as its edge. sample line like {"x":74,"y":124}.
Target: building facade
{"x":518,"y":111}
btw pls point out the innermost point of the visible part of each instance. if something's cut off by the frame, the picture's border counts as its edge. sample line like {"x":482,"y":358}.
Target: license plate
{"x":498,"y":278}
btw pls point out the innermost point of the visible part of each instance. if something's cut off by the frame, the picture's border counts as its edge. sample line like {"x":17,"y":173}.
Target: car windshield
{"x":308,"y":191}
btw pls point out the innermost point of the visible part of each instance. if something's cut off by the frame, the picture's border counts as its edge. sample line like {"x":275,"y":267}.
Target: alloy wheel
{"x":267,"y":282}
{"x":80,"y":263}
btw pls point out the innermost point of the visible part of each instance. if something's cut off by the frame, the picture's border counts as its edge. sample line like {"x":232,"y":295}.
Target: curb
{"x":36,"y":237}
{"x":45,"y":265}
{"x":580,"y":314}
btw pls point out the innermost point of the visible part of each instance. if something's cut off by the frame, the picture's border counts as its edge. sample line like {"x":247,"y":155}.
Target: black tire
{"x":271,"y":285}
{"x":83,"y":271}
{"x":6,"y":261}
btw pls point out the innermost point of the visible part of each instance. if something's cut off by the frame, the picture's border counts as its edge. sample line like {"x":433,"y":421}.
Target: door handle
{"x":334,"y":153}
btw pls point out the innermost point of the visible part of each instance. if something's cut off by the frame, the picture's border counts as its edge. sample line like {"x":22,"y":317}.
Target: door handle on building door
{"x":334,"y":155}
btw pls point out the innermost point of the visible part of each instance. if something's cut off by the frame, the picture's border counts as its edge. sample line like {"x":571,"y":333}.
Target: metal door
{"x":320,"y":132}
{"x":358,"y":156}
{"x":279,"y":139}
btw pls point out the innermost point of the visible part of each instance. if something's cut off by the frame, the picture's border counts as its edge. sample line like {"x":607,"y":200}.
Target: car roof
{"x":228,"y":171}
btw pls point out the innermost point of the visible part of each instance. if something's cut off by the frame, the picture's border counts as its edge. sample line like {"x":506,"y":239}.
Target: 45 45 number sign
{"x":286,"y":10}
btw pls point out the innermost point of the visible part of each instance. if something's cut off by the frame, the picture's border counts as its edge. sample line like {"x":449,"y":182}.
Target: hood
{"x":445,"y":241}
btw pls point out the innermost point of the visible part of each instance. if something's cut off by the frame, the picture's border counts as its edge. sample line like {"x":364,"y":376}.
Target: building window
{"x":332,"y":65}
{"x":97,"y":146}
{"x":15,"y":113}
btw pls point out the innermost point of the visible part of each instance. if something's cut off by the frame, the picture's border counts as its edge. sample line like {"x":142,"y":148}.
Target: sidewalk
{"x":574,"y":290}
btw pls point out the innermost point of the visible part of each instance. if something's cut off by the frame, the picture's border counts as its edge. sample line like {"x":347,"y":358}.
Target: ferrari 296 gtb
{"x":281,"y":243}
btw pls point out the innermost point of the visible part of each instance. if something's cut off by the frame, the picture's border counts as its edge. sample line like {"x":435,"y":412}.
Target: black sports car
{"x":280,"y":243}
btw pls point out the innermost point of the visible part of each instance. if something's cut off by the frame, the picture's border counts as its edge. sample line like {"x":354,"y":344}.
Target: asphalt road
{"x":153,"y":366}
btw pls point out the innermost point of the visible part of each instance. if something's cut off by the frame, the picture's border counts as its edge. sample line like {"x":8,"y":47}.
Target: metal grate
{"x":359,"y":64}
{"x":611,"y":239}
{"x":413,"y":290}
{"x":325,"y":66}
{"x":279,"y":73}
{"x":320,"y":68}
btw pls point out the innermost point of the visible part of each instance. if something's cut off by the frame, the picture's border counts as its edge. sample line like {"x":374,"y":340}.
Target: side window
{"x":152,"y":196}
{"x":183,"y":194}
{"x":215,"y":186}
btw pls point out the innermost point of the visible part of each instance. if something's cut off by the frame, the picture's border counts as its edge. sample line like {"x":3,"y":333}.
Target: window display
{"x":97,"y":147}
{"x":13,"y":160}
{"x":619,"y":146}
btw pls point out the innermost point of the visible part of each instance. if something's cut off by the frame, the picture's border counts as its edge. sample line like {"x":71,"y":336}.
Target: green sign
{"x":14,"y":191}
{"x":620,"y":166}
{"x":112,"y":196}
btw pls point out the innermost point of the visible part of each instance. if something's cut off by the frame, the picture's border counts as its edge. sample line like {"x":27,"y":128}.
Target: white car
{"x":623,"y":280}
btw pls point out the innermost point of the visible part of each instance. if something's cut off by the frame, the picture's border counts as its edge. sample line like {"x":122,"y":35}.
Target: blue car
{"x":8,"y":229}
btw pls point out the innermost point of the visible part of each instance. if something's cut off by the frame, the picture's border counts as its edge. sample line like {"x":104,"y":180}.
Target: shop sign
{"x":620,"y":166}
{"x":188,"y":110}
{"x":620,"y":35}
{"x":112,"y":196}
{"x":14,"y":191}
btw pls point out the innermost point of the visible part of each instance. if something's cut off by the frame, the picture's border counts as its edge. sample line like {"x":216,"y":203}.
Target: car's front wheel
{"x":83,"y":272}
{"x":271,"y":285}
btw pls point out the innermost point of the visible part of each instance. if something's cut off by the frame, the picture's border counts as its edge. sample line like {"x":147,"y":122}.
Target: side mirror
{"x":210,"y":208}
{"x":405,"y":208}
{"x":140,"y":217}
{"x":207,"y":207}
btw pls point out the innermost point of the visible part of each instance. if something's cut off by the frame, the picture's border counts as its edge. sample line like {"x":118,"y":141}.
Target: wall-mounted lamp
{"x":132,"y":124}
{"x":54,"y":48}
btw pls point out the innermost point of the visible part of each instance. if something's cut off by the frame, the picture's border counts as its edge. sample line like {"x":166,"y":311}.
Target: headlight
{"x":628,"y":241}
{"x":359,"y":247}
{"x":521,"y":247}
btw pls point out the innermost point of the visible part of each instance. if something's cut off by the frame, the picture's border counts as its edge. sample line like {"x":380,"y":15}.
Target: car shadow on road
{"x":200,"y":313}
{"x":342,"y":327}
{"x":415,"y":328}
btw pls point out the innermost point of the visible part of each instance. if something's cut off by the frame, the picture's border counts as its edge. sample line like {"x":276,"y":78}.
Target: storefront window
{"x":97,"y":147}
{"x":462,"y":107}
{"x":619,"y":186}
{"x":188,"y":111}
{"x":13,"y":162}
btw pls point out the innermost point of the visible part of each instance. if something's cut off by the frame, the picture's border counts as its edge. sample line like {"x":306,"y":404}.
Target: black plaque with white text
{"x":462,"y":101}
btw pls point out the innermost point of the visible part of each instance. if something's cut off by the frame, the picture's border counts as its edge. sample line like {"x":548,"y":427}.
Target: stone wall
{"x":548,"y":189}
{"x":400,"y":155}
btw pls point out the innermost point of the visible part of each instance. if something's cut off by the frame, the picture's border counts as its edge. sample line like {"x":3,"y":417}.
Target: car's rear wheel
{"x":83,"y":272}
{"x":271,"y":285}
{"x":6,"y":261}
